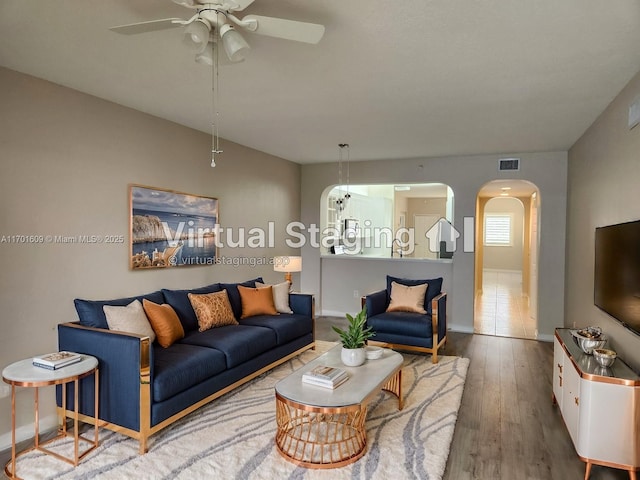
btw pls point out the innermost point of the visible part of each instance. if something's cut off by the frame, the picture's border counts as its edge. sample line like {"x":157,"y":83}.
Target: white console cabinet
{"x":600,"y":406}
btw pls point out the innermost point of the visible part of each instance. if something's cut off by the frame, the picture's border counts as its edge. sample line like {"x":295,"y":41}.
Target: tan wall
{"x":603,"y":180}
{"x":66,"y":160}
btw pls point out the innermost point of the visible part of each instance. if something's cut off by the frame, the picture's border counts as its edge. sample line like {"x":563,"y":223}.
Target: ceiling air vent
{"x":508,"y":164}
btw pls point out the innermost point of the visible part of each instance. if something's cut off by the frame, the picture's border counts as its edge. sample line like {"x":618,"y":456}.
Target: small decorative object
{"x":373,"y":353}
{"x":56,"y":360}
{"x":354,"y":339}
{"x":589,"y":338}
{"x":325,"y":376}
{"x":604,"y":357}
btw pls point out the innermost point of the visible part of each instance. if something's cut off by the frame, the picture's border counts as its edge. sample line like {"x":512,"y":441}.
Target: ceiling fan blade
{"x":287,"y":29}
{"x":144,"y":27}
{"x":236,"y":5}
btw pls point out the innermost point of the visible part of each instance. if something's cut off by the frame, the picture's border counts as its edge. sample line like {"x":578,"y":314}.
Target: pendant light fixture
{"x":343,"y":200}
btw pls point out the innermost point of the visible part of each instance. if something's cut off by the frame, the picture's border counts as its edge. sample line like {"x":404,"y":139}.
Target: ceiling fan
{"x":215,"y":20}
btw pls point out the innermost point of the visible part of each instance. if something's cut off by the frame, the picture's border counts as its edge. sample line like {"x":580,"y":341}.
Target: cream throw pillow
{"x":130,"y":319}
{"x":280,"y":296}
{"x":407,"y":299}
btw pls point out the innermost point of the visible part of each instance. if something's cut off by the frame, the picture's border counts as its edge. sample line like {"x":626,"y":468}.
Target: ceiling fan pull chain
{"x":215,"y":87}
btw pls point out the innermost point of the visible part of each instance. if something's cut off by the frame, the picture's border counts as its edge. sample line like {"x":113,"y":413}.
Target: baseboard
{"x":26,"y":432}
{"x":333,"y":313}
{"x":545,"y":338}
{"x":459,"y":328}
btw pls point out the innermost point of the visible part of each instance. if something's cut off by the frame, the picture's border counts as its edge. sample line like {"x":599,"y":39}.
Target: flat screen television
{"x":617,"y":273}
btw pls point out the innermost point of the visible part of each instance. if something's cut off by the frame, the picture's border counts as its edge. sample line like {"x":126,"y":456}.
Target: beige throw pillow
{"x":130,"y":319}
{"x":407,"y":299}
{"x":212,"y":310}
{"x":280,"y":296}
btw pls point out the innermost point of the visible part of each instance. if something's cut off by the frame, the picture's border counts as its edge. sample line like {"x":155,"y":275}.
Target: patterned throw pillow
{"x":257,"y":301}
{"x":130,"y":319}
{"x":407,"y":299}
{"x":280,"y":296}
{"x":165,"y":322}
{"x":212,"y":310}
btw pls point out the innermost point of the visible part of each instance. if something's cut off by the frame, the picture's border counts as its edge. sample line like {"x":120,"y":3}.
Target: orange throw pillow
{"x":164,"y":321}
{"x":257,"y":301}
{"x":212,"y":310}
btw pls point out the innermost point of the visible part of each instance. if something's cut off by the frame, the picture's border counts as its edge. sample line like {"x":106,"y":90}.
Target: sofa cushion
{"x":179,"y":300}
{"x":287,"y":327}
{"x":164,"y":321}
{"x":239,"y":343}
{"x":433,"y":290}
{"x":234,"y":295}
{"x":280,"y":296}
{"x":182,"y":366}
{"x":91,"y":314}
{"x":401,"y":323}
{"x":130,"y":318}
{"x":256,"y":301}
{"x":407,"y":299}
{"x":212,"y":310}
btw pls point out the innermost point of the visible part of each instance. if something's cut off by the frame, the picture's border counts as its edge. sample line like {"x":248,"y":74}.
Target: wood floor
{"x":507,"y":427}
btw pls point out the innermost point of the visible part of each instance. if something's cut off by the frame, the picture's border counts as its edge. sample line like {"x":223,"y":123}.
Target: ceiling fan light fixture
{"x":206,"y":56}
{"x":196,"y":35}
{"x":234,"y":44}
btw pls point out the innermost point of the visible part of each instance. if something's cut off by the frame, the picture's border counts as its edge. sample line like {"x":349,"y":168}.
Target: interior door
{"x":421,"y":224}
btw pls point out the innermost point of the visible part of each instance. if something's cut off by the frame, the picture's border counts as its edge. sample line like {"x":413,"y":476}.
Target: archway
{"x":507,"y":240}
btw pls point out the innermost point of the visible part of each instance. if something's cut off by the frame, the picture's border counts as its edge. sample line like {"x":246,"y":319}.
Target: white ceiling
{"x":403,"y":79}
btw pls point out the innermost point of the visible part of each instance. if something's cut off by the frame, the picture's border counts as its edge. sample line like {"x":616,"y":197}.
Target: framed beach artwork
{"x":171,"y":229}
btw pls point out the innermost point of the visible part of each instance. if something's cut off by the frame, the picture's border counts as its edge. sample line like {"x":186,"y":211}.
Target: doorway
{"x":507,"y":226}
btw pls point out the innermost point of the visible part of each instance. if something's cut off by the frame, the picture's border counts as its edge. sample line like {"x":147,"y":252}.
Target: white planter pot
{"x":353,"y":357}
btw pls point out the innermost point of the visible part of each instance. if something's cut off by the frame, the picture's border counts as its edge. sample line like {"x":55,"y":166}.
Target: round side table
{"x":25,"y":374}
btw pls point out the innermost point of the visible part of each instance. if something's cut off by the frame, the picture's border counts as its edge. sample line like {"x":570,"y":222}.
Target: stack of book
{"x":323,"y":376}
{"x":56,"y":360}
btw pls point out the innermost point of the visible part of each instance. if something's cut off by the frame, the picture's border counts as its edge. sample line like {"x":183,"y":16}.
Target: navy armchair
{"x":423,"y":332}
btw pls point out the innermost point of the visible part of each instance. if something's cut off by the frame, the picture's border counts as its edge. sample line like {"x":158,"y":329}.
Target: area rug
{"x":233,"y":437}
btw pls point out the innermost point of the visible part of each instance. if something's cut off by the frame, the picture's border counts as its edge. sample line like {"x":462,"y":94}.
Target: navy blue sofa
{"x":406,"y":330}
{"x":145,"y":387}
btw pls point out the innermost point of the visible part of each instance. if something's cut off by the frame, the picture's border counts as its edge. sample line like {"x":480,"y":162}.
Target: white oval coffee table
{"x":323,"y":428}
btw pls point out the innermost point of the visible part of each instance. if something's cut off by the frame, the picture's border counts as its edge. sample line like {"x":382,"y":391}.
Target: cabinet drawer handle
{"x":577,"y":400}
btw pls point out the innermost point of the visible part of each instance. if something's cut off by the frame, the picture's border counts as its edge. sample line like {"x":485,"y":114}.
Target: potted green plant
{"x":354,"y":339}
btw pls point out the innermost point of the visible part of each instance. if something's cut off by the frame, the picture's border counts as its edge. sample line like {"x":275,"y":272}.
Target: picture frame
{"x":171,"y":229}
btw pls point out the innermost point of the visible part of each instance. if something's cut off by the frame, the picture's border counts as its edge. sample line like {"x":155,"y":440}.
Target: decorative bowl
{"x":589,"y":338}
{"x":604,"y":357}
{"x":373,"y":353}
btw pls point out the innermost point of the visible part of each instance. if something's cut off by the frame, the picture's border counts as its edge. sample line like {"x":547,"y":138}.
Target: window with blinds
{"x":497,"y":229}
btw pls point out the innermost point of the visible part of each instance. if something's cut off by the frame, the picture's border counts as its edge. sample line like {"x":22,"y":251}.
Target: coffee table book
{"x":56,"y":360}
{"x":325,"y":376}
